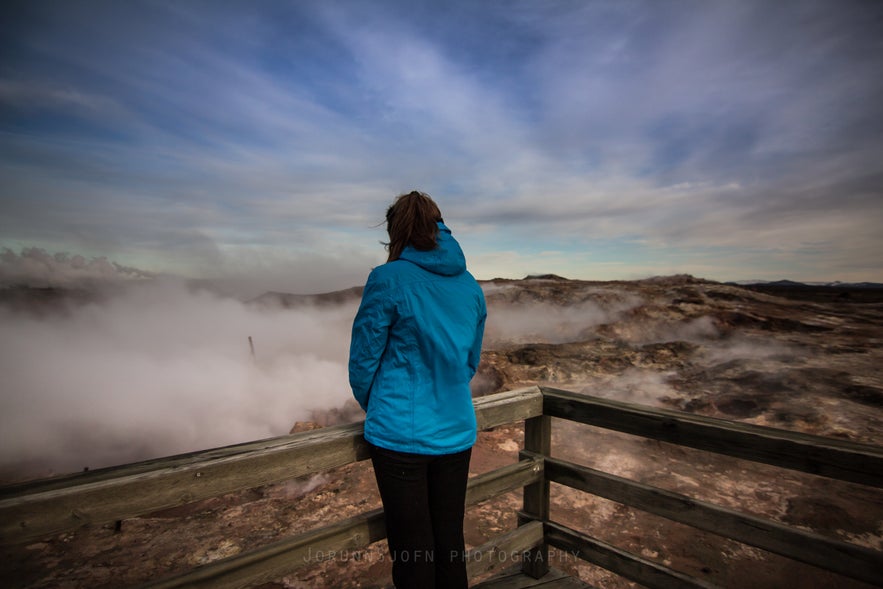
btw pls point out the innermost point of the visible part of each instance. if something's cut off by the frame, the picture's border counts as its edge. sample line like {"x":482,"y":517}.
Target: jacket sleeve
{"x":369,"y":336}
{"x":475,"y":351}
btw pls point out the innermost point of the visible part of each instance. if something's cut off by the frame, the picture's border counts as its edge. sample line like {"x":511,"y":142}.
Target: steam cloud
{"x":548,"y":322}
{"x":159,"y":369}
{"x":37,"y":267}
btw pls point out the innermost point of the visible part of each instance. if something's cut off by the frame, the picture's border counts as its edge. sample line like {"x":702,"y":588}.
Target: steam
{"x":159,"y":369}
{"x":634,"y":385}
{"x":544,"y":322}
{"x":698,"y":329}
{"x":754,"y":349}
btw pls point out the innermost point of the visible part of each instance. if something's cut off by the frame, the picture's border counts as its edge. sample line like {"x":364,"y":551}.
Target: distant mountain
{"x":840,"y":292}
{"x":289,"y":300}
{"x":793,"y":284}
{"x":856,"y":284}
{"x":545,"y":277}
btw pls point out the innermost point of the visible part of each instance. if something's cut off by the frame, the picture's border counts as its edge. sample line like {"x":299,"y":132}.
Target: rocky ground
{"x":804,"y":360}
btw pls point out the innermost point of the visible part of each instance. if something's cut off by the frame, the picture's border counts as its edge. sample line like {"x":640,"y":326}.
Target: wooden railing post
{"x":537,"y":439}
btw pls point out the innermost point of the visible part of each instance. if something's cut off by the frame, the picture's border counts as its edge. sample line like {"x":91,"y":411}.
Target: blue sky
{"x":259,"y":143}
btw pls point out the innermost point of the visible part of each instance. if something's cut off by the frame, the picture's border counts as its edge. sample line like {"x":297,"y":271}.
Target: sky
{"x":257,"y":144}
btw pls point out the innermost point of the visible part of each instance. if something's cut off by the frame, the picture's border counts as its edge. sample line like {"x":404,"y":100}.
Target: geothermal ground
{"x":799,"y":358}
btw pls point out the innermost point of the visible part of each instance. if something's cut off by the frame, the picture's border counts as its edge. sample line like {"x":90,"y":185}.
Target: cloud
{"x":688,"y":124}
{"x":30,"y":95}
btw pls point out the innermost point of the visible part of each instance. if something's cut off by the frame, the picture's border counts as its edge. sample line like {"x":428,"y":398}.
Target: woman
{"x":416,"y":344}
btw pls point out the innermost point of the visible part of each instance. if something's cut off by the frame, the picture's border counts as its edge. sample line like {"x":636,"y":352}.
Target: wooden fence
{"x":41,"y":508}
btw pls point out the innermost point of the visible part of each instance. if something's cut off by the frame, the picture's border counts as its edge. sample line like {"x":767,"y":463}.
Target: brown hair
{"x":411,"y":220}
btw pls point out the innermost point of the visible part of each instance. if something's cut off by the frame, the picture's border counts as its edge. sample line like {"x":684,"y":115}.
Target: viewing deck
{"x":38,"y":509}
{"x":515,"y":579}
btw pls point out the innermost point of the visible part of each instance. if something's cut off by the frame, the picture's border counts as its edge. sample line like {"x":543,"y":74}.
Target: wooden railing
{"x":40,"y":508}
{"x":847,"y":461}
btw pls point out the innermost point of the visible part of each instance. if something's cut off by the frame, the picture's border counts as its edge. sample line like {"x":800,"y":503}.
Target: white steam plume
{"x":632,"y":385}
{"x":159,"y":369}
{"x":37,"y":267}
{"x":546,"y":322}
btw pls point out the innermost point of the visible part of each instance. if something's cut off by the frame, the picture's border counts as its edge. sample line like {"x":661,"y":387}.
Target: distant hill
{"x":290,"y":301}
{"x":855,"y":284}
{"x":544,"y":277}
{"x":843,"y":292}
{"x":794,"y":284}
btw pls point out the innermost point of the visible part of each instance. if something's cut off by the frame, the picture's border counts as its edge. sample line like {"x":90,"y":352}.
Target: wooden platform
{"x":515,"y":579}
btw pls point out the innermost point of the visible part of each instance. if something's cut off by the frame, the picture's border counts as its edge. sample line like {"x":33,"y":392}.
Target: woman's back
{"x":416,"y":345}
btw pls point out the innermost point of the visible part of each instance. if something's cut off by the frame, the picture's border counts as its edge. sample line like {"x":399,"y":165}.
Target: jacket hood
{"x":447,"y":259}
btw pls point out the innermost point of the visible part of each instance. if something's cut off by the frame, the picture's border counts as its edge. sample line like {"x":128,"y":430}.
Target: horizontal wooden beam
{"x":176,"y":461}
{"x":621,"y":562}
{"x":840,"y":557}
{"x":838,"y":459}
{"x":504,"y":550}
{"x":33,"y":510}
{"x":508,"y":407}
{"x":504,"y":479}
{"x":31,"y":515}
{"x":342,"y":539}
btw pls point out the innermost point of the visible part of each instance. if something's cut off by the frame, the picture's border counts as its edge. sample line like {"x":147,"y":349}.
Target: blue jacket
{"x":416,"y":344}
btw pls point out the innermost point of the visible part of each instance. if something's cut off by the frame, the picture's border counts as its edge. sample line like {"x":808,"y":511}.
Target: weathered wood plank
{"x":178,"y":460}
{"x":32,"y":515}
{"x":838,"y":459}
{"x":32,"y":510}
{"x":621,"y":562}
{"x":538,"y":441}
{"x":508,"y":407}
{"x":503,"y":550}
{"x":280,"y":558}
{"x":504,"y":479}
{"x":515,"y":579}
{"x":844,"y":558}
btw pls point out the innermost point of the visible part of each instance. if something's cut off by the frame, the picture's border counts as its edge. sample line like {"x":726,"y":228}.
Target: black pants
{"x":424,"y":500}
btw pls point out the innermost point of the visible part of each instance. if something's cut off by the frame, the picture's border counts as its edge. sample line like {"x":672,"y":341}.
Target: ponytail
{"x":412,"y":220}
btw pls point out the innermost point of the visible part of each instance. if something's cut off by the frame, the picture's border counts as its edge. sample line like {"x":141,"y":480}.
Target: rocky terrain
{"x":802,"y":359}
